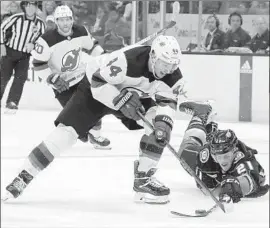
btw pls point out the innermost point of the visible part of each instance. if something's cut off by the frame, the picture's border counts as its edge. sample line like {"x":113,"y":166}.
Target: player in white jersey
{"x":136,"y":78}
{"x":58,"y":58}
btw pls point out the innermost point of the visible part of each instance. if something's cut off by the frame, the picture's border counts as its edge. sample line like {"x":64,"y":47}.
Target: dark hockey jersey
{"x":244,"y":166}
{"x":55,"y":53}
{"x":128,"y":68}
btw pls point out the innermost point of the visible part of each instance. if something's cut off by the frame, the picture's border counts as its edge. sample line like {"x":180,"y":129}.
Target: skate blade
{"x":7,"y":197}
{"x":97,"y":147}
{"x":10,"y":111}
{"x":150,"y":199}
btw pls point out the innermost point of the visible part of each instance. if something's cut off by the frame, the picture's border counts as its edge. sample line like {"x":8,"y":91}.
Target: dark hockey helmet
{"x":223,"y":142}
{"x":23,"y":4}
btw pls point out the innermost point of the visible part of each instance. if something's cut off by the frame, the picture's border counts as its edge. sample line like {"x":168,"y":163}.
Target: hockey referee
{"x":18,"y":35}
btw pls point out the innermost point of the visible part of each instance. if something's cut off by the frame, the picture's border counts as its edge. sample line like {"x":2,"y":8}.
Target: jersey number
{"x":39,"y":48}
{"x":114,"y":69}
{"x":241,"y":168}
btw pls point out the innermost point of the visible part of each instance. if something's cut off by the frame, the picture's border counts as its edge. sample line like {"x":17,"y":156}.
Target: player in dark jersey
{"x":122,"y":82}
{"x":221,"y":160}
{"x":58,"y":59}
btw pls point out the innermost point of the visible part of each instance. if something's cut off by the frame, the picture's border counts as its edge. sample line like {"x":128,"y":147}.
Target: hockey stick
{"x":176,"y":10}
{"x":184,"y":164}
{"x":198,"y":213}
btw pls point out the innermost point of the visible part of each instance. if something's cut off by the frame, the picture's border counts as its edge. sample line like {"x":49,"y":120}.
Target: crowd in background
{"x":110,"y":21}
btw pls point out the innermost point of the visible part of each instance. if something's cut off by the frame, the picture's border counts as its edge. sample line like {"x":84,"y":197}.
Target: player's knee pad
{"x":62,"y":138}
{"x":150,"y":148}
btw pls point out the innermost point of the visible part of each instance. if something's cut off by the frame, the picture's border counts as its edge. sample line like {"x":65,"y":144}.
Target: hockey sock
{"x":150,"y":153}
{"x":95,"y":131}
{"x":197,"y":130}
{"x":194,"y":136}
{"x":61,"y":139}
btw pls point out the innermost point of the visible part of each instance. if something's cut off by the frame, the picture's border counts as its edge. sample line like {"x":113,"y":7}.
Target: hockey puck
{"x":198,"y":212}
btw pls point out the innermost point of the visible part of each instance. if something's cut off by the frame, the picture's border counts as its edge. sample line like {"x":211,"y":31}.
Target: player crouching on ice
{"x":220,"y":159}
{"x":122,"y":82}
{"x":57,"y":58}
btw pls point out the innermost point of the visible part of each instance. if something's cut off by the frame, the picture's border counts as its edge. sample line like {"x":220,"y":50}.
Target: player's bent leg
{"x":193,"y":141}
{"x":148,"y":189}
{"x":62,"y":138}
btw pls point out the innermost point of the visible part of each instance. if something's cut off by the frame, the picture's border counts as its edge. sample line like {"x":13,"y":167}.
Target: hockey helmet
{"x":62,"y":11}
{"x":224,"y":141}
{"x":167,"y":49}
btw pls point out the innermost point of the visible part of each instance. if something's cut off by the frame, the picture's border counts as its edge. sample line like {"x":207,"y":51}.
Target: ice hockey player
{"x":58,"y":60}
{"x":220,"y":159}
{"x":122,"y":82}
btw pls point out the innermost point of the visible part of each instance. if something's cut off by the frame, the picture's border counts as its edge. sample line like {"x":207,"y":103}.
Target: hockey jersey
{"x":55,"y":53}
{"x":244,"y":165}
{"x":128,"y":69}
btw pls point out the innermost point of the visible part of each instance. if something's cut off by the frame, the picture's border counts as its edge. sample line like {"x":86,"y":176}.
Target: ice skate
{"x":99,"y":142}
{"x":17,"y":186}
{"x":148,"y":189}
{"x":200,"y":109}
{"x":11,"y":108}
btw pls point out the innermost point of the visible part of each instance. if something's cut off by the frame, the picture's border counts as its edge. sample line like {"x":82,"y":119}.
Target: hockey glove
{"x":128,"y":102}
{"x":57,"y":82}
{"x":230,"y":186}
{"x":163,"y":126}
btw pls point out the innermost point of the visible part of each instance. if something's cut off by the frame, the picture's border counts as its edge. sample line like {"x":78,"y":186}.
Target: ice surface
{"x":93,"y":188}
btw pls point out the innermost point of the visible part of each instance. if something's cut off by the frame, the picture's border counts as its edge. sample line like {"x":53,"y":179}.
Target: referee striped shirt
{"x":17,"y":31}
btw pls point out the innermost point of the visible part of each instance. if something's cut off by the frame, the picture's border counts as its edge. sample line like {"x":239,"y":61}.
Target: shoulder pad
{"x":114,"y":68}
{"x":204,"y":155}
{"x":42,"y":51}
{"x":80,"y":30}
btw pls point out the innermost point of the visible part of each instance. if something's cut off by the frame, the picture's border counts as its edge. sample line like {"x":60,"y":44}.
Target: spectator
{"x":11,"y":8}
{"x":260,"y":42}
{"x":18,"y":35}
{"x":259,"y":8}
{"x":14,"y":7}
{"x":215,"y":38}
{"x":50,"y":24}
{"x":228,"y":7}
{"x":236,"y":36}
{"x":99,"y":26}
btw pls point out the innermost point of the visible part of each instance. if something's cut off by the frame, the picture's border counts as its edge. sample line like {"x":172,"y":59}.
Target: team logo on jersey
{"x":34,"y":29}
{"x":239,"y":155}
{"x":204,"y":155}
{"x":70,"y":60}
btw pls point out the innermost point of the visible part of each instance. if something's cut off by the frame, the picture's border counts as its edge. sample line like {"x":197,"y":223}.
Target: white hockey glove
{"x":57,"y":82}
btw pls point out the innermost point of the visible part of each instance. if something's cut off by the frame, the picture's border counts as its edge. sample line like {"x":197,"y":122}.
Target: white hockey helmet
{"x":62,"y":11}
{"x":167,"y":49}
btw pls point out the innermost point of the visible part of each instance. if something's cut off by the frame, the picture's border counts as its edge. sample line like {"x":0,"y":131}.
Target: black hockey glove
{"x":128,"y":102}
{"x":57,"y":82}
{"x":163,"y":126}
{"x":230,"y":186}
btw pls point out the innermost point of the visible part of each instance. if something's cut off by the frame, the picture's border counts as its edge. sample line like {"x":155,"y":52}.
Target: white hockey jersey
{"x":55,"y":53}
{"x":128,"y":68}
